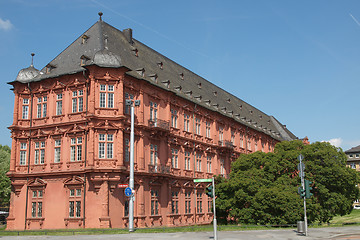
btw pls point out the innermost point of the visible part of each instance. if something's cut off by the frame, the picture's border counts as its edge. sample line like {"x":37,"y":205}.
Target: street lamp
{"x":131,"y":103}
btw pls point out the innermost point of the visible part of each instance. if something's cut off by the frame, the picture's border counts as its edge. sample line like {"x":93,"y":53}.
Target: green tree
{"x":262,"y":188}
{"x":5,"y":182}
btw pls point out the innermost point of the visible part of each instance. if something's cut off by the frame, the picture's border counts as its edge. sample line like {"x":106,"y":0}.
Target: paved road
{"x":336,"y":233}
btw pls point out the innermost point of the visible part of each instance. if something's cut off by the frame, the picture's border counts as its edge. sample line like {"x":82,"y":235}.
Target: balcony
{"x":158,"y":123}
{"x":226,"y":144}
{"x":159,"y":169}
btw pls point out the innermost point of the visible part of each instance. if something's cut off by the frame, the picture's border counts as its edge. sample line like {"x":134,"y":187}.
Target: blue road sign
{"x":128,"y":192}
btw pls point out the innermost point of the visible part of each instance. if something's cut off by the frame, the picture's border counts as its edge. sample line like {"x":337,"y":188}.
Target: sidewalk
{"x":335,"y":233}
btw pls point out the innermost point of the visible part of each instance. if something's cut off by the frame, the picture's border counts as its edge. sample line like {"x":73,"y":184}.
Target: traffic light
{"x":301,"y":191}
{"x":308,"y":194}
{"x":209,"y":191}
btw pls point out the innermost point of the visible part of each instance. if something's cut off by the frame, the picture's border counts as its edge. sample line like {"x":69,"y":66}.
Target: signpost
{"x":301,"y":168}
{"x":128,"y":192}
{"x":201,"y":180}
{"x":122,"y":185}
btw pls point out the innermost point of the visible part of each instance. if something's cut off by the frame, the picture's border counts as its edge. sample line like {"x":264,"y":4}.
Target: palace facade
{"x":71,"y":132}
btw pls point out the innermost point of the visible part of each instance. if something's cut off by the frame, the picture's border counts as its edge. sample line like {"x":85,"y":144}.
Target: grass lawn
{"x":353,"y":217}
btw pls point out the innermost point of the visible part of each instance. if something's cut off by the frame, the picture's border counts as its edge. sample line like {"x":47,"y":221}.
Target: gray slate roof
{"x":353,"y":150}
{"x":107,"y":46}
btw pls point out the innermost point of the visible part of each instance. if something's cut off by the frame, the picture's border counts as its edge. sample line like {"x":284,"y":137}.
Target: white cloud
{"x":335,"y":142}
{"x":5,"y":24}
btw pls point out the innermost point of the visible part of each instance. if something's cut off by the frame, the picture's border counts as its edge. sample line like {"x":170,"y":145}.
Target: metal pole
{"x":302,"y":173}
{"x":131,"y":181}
{"x":214,"y":210}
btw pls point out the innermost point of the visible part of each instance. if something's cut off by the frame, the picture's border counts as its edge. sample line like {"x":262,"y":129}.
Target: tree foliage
{"x":4,"y":180}
{"x":262,"y":188}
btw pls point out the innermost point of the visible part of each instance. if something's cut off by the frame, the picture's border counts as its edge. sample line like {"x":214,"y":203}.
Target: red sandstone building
{"x":70,"y":137}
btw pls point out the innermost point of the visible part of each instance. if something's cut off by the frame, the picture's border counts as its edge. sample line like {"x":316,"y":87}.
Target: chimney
{"x":128,"y":35}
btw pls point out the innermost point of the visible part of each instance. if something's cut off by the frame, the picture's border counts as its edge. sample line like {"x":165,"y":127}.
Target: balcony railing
{"x":225,"y":143}
{"x":158,"y":168}
{"x":158,"y":123}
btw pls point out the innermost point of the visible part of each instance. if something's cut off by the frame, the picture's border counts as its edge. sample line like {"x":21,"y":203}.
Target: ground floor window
{"x":175,"y":202}
{"x":126,"y":208}
{"x":75,"y":202}
{"x":154,"y":202}
{"x":188,"y":202}
{"x":199,"y":202}
{"x":37,"y":204}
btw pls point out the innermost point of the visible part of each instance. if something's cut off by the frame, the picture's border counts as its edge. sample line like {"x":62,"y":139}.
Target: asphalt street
{"x":336,"y":233}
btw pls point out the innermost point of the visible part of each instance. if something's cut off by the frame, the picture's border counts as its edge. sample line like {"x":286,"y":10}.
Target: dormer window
{"x":141,"y":72}
{"x":228,"y":100}
{"x":160,"y":65}
{"x":207,"y":102}
{"x":49,"y":67}
{"x":181,"y":76}
{"x":178,"y":88}
{"x":84,"y":39}
{"x":166,"y":83}
{"x":135,"y":51}
{"x":189,"y":93}
{"x":153,"y":77}
{"x":198,"y":98}
{"x":215,"y":93}
{"x":83,"y":60}
{"x":199,"y":85}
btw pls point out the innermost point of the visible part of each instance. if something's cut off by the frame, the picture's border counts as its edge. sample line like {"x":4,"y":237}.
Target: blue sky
{"x":296,"y":60}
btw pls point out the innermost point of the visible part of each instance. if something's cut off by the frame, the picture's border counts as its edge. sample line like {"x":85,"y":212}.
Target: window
{"x":209,"y":204}
{"x":222,"y":166}
{"x":208,"y":126}
{"x":186,"y":122}
{"x":154,"y":202}
{"x":153,"y":111}
{"x":23,"y":148}
{"x":208,"y":164}
{"x":174,"y":157}
{"x":126,"y":208}
{"x":174,"y":118}
{"x":106,"y":140}
{"x":25,"y":108}
{"x":221,"y":133}
{"x":153,"y":154}
{"x":353,"y":165}
{"x":357,"y":155}
{"x":128,"y":97}
{"x":76,"y":149}
{"x":174,"y":202}
{"x":106,"y":96}
{"x":36,"y":203}
{"x":77,"y":101}
{"x":75,"y":202}
{"x":57,"y":151}
{"x":197,"y":126}
{"x":59,"y":104}
{"x":241,"y":140}
{"x":199,"y":202}
{"x":187,"y":160}
{"x":249,"y":144}
{"x":233,"y":137}
{"x":41,"y":107}
{"x":188,"y":202}
{"x":198,"y":162}
{"x":39,"y":153}
{"x":127,"y":150}
{"x":255,"y":146}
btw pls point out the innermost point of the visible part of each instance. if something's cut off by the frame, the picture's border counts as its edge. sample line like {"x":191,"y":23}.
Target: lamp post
{"x":131,"y":103}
